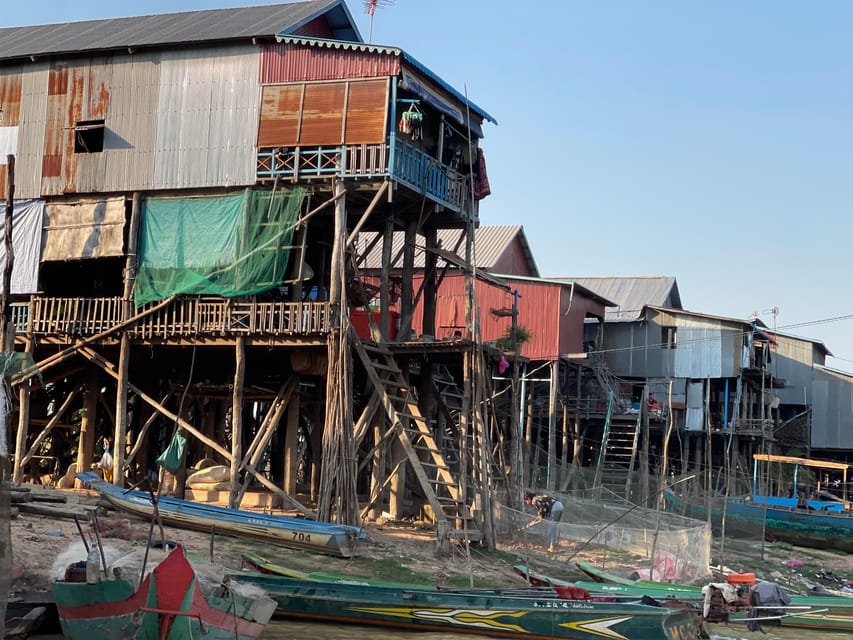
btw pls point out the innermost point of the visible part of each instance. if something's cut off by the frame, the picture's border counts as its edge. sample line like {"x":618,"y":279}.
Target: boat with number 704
{"x":297,"y":533}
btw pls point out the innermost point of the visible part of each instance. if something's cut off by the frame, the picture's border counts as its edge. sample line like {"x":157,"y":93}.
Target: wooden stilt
{"x":23,"y":424}
{"x":120,"y":436}
{"x":86,"y":444}
{"x":291,"y":445}
{"x":237,"y":422}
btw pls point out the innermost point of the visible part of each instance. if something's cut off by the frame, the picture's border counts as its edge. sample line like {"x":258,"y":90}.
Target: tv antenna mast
{"x":371,"y":5}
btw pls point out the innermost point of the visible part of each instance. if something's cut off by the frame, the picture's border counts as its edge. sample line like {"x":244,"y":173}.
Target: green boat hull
{"x":168,"y":605}
{"x":825,"y":614}
{"x":523,"y":613}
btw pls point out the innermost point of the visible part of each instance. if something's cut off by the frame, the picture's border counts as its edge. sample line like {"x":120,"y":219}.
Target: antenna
{"x":371,"y":5}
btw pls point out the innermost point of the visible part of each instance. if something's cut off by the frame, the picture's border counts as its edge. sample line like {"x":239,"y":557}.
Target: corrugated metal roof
{"x":592,"y":295}
{"x":392,"y":51}
{"x":490,"y":243}
{"x":632,"y":293}
{"x":188,"y":27}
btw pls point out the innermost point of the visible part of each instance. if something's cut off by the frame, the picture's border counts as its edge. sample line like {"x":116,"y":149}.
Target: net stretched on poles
{"x":668,"y":547}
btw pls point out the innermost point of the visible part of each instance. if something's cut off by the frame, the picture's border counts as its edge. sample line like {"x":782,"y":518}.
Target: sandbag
{"x":218,"y":473}
{"x":211,"y":486}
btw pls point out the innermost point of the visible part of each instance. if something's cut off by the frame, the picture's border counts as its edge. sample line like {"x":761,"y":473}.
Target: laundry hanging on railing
{"x":411,"y":121}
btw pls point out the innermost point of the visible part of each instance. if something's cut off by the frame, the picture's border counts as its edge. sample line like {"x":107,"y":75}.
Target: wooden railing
{"x":184,"y":317}
{"x":411,"y":166}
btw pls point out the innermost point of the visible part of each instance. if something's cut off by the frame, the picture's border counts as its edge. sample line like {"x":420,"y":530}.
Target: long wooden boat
{"x":532,"y":614}
{"x":814,"y":523}
{"x":297,"y":533}
{"x":259,"y":564}
{"x":813,"y":613}
{"x":168,"y":605}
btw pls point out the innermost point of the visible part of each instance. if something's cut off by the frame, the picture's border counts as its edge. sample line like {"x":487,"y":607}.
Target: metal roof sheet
{"x":490,"y":243}
{"x":393,"y":51}
{"x":188,"y":27}
{"x":631,"y":294}
{"x":592,"y":295}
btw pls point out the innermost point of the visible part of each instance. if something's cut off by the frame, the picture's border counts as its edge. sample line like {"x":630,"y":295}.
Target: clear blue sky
{"x":708,"y":141}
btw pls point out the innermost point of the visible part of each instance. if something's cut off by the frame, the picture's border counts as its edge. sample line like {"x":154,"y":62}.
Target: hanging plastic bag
{"x":172,"y":457}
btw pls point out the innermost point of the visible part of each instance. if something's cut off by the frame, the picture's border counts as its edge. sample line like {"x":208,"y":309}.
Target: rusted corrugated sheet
{"x":207,"y":118}
{"x":32,"y":131}
{"x":10,"y":96}
{"x":292,"y":63}
{"x":10,"y":104}
{"x":131,"y":125}
{"x":313,"y":113}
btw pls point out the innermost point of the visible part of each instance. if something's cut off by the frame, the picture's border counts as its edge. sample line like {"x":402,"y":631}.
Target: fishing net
{"x":669,"y":547}
{"x":227,"y":246}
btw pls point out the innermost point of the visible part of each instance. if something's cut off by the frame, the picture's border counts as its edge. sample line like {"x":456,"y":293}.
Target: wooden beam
{"x":120,"y":436}
{"x":55,"y":418}
{"x":143,"y":432}
{"x":366,"y":214}
{"x":264,"y":435}
{"x":109,"y":368}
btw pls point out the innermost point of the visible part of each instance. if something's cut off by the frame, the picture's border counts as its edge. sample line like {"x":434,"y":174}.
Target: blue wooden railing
{"x":411,"y":167}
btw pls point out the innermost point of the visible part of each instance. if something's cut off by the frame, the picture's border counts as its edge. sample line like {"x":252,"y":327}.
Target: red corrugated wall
{"x":296,"y":63}
{"x":538,"y":312}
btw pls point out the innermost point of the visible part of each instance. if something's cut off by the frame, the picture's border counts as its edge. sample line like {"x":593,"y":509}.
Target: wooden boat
{"x":260,"y":564}
{"x":505,"y":613}
{"x":29,"y":612}
{"x":825,"y":523}
{"x":169,"y":605}
{"x":813,"y":613}
{"x":297,"y":533}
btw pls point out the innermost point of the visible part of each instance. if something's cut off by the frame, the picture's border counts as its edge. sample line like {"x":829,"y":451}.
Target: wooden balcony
{"x":400,"y":161}
{"x":69,"y":318}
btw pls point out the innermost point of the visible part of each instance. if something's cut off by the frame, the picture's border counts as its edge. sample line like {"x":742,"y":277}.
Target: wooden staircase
{"x":446,"y":497}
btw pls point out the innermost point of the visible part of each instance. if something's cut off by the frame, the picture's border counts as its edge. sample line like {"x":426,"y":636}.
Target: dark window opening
{"x":668,"y":339}
{"x":89,"y":136}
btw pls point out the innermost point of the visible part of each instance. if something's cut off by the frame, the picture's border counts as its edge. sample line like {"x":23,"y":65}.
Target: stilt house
{"x":188,"y":189}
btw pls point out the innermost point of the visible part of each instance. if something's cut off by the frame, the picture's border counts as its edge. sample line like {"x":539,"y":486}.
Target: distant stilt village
{"x":255,"y":231}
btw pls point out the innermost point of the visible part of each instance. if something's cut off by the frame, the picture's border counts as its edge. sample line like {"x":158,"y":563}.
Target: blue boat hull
{"x":296,"y":533}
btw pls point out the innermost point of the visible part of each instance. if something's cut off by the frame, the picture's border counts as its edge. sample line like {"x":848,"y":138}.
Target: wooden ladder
{"x":441,"y":489}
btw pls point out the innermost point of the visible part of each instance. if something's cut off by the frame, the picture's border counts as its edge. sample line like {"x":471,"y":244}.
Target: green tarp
{"x":227,"y":246}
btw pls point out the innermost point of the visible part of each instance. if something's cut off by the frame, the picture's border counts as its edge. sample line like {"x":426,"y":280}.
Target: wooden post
{"x":86,"y":444}
{"x":120,"y":435}
{"x":406,"y":287}
{"x":385,"y":283}
{"x":291,"y":444}
{"x":552,"y":422}
{"x":5,"y":319}
{"x":23,"y":423}
{"x":237,"y":422}
{"x":429,"y":287}
{"x":377,"y":472}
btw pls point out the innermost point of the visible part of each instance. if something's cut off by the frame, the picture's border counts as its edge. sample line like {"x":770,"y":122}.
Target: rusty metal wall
{"x":31,"y":132}
{"x":295,"y":63}
{"x":130,"y":129}
{"x":207,"y":118}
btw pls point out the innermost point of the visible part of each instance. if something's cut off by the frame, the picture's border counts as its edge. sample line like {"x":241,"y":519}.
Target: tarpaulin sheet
{"x":26,"y":245}
{"x":225,"y":245}
{"x":84,"y":230}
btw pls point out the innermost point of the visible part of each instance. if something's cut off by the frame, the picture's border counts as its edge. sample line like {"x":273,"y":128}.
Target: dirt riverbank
{"x":403,"y":552}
